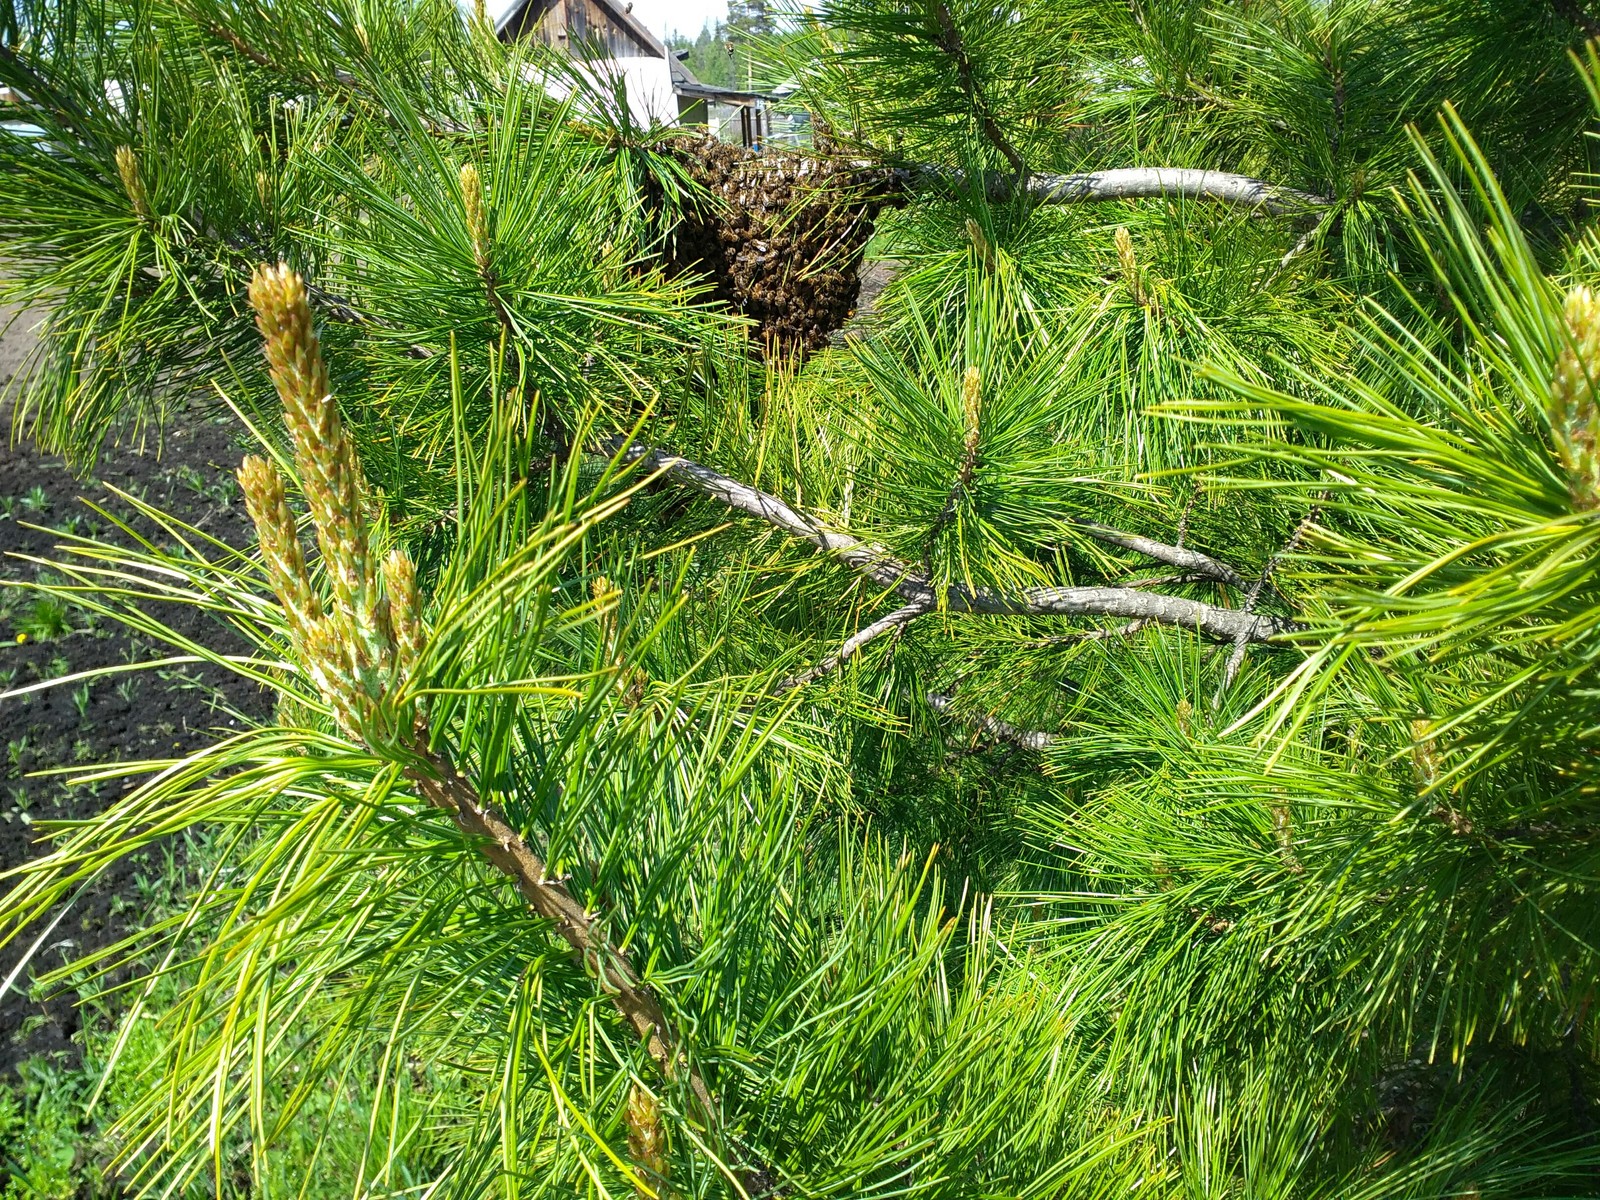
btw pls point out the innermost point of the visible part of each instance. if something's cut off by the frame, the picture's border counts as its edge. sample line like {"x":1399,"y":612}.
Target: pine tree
{"x":709,"y":58}
{"x":749,"y":19}
{"x":750,"y":25}
{"x":1121,"y":720}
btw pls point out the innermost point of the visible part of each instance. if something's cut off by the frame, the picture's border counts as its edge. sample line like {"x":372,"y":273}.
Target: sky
{"x":683,"y":16}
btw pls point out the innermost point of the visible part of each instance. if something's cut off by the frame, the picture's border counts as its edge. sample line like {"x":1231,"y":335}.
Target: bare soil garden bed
{"x":188,"y":473}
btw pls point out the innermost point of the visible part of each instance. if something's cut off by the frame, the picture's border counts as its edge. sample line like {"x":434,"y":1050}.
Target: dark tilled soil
{"x":143,"y":714}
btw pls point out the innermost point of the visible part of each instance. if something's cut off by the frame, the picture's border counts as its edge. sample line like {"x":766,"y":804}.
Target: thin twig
{"x":1236,"y":656}
{"x":1183,"y":518}
{"x":346,"y":82}
{"x":895,"y":574}
{"x":897,"y":620}
{"x":951,"y":42}
{"x":1145,"y":581}
{"x":1191,"y":561}
{"x":1091,"y":635}
{"x":449,"y":790}
{"x":1026,"y":739}
{"x":345,"y":88}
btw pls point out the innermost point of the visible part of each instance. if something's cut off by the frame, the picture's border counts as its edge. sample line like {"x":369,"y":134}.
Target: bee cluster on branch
{"x":781,"y":237}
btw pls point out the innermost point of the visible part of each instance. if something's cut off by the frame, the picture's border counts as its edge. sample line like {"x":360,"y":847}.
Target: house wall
{"x":691,"y":111}
{"x":646,"y":85}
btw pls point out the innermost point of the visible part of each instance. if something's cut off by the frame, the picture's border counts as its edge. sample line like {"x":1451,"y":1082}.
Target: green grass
{"x":55,"y":1143}
{"x":43,"y":1144}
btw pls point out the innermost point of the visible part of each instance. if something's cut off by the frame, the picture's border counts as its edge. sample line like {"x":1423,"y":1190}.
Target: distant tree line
{"x":722,"y":53}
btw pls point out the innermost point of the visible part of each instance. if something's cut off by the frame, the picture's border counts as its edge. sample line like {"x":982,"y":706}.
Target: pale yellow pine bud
{"x":132,"y":181}
{"x":600,"y":591}
{"x":1425,"y":765}
{"x":971,"y":416}
{"x":283,"y":315}
{"x":971,"y":406}
{"x":980,"y":242}
{"x":1129,"y":263}
{"x":1574,"y":414}
{"x":647,"y":1139}
{"x":330,"y":473}
{"x":1424,"y":760}
{"x":265,"y":501}
{"x":1125,"y":255}
{"x":631,"y":681}
{"x":477,"y":214}
{"x":405,"y":608}
{"x":330,"y":663}
{"x":1283,"y":830}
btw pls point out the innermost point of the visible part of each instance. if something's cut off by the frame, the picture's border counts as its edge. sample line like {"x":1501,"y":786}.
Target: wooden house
{"x":660,"y":86}
{"x":605,"y":25}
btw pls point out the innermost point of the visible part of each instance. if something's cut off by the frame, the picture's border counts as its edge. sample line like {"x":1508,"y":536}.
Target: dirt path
{"x":148,"y":713}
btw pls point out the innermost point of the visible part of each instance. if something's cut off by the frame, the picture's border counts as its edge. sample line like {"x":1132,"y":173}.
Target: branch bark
{"x":1142,"y":183}
{"x":898,"y":619}
{"x":342,"y":89}
{"x":1572,"y":10}
{"x":1026,"y":739}
{"x":952,"y":43}
{"x":449,"y":790}
{"x":1136,"y":183}
{"x":1192,"y":561}
{"x":896,"y":575}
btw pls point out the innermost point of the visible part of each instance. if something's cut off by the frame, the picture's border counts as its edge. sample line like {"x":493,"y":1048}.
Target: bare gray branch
{"x":1176,"y":556}
{"x":898,"y":619}
{"x":1027,"y":739}
{"x":906,"y":581}
{"x":1137,"y":183}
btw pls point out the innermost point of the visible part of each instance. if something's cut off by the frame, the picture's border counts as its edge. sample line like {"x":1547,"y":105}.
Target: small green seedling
{"x":45,"y":619}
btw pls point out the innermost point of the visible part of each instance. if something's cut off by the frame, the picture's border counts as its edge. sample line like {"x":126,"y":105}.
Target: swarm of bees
{"x":780,"y":237}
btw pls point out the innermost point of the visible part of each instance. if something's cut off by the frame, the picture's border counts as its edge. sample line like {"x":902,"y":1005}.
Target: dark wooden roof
{"x":524,"y":16}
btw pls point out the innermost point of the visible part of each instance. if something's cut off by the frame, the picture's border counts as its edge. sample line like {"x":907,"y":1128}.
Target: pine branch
{"x":507,"y":850}
{"x":1137,"y":183}
{"x":342,"y":89}
{"x":1099,"y":187}
{"x":897,"y":620}
{"x":1026,"y":739}
{"x":1572,"y":10}
{"x":30,"y":79}
{"x":1133,"y":183}
{"x":1191,"y":561}
{"x":894,"y":574}
{"x":370,"y":635}
{"x":345,"y":87}
{"x":951,"y":42}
